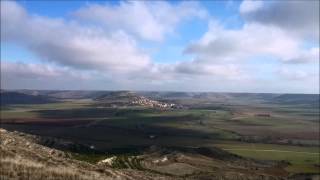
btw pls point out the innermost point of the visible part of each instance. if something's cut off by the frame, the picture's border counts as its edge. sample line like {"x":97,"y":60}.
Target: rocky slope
{"x":23,"y":157}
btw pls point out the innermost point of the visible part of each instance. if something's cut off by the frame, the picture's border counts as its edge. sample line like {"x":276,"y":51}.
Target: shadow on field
{"x":90,"y":113}
{"x":121,"y":128}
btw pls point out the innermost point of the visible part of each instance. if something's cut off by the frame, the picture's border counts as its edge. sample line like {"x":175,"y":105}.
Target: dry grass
{"x":18,"y":168}
{"x":22,"y":158}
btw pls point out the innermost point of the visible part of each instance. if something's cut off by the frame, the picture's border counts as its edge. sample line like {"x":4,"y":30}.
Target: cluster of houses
{"x":142,"y":101}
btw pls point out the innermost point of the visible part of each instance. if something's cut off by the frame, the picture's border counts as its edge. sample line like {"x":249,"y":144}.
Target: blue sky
{"x":171,"y":50}
{"x":234,"y":46}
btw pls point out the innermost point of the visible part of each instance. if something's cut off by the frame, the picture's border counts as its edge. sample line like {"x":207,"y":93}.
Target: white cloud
{"x":19,"y":75}
{"x":298,"y":78}
{"x":293,"y":75}
{"x":310,"y":55}
{"x":90,"y":48}
{"x":299,"y":18}
{"x":148,"y":20}
{"x":220,"y":71}
{"x":68,"y":43}
{"x":300,"y":74}
{"x":248,"y":6}
{"x":40,"y":71}
{"x":220,"y":44}
{"x":100,"y":49}
{"x":260,"y":40}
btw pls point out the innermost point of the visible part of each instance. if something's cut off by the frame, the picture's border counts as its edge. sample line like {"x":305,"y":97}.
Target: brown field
{"x":46,"y":122}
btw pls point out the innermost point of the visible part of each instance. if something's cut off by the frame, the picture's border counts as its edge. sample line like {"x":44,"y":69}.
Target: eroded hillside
{"x":22,"y":157}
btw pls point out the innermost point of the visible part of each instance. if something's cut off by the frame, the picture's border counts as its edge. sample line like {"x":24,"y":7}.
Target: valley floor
{"x":193,"y":138}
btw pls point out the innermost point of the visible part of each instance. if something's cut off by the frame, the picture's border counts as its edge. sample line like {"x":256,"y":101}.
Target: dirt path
{"x":271,"y":150}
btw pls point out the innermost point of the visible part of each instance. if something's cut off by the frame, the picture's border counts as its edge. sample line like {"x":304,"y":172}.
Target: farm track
{"x":270,"y":150}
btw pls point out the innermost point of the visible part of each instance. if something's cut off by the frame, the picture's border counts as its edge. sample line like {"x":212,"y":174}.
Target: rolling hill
{"x":128,"y":98}
{"x":21,"y":98}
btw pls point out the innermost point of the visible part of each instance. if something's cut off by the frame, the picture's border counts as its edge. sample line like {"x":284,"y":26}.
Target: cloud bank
{"x":100,"y":47}
{"x":148,"y":20}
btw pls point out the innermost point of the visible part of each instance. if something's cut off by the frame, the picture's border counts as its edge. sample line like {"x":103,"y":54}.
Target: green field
{"x":31,"y":110}
{"x":224,"y":126}
{"x":302,"y":159}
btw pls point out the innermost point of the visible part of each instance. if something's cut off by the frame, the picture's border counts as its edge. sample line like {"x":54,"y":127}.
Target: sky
{"x":217,"y":46}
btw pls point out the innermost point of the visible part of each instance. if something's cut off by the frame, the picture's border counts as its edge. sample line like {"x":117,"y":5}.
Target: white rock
{"x":107,"y":161}
{"x":164,"y":159}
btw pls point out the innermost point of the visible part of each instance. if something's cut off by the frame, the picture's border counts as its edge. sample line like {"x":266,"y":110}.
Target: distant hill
{"x":117,"y":95}
{"x":166,"y":95}
{"x":75,"y":94}
{"x":309,"y":99}
{"x":20,"y":98}
{"x":125,"y":97}
{"x":63,"y":94}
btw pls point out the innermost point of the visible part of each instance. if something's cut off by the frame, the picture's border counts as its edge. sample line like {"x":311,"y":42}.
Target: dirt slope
{"x":22,"y":158}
